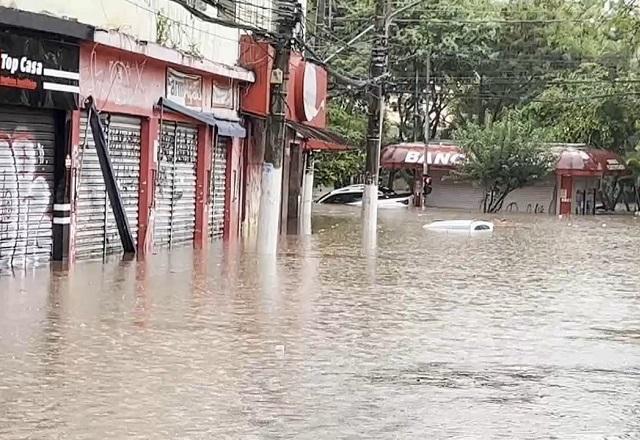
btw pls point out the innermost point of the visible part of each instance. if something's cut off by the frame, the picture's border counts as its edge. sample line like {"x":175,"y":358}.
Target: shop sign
{"x":185,"y":89}
{"x":438,"y":158}
{"x":222,"y":95}
{"x":614,"y":165}
{"x":38,"y":72}
{"x":311,"y":94}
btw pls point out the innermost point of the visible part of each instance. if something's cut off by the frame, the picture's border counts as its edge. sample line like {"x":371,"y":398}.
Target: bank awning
{"x":572,"y":159}
{"x":584,"y":161}
{"x":225,"y":127}
{"x":441,"y":155}
{"x":320,"y":139}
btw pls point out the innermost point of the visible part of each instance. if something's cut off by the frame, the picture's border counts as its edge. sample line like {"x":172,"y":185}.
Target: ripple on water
{"x":531,"y":333}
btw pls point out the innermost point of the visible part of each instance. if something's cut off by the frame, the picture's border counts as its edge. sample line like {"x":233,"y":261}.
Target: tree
{"x":593,"y":106}
{"x":502,"y":157}
{"x":338,"y":168}
{"x":570,"y":67}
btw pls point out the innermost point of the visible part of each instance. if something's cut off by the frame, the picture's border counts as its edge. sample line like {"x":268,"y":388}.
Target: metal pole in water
{"x":427,"y":131}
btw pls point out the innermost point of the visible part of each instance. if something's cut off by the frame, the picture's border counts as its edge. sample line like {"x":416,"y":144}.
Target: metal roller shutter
{"x":97,"y":232}
{"x":175,"y":218}
{"x":218,"y":187}
{"x":27,"y":146}
{"x":448,"y":193}
{"x":537,"y":198}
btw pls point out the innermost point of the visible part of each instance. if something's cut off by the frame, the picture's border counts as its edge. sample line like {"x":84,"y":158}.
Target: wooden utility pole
{"x":377,"y":71}
{"x":288,"y":14}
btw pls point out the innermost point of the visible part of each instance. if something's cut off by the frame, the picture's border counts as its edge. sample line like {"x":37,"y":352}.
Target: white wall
{"x":159,"y":21}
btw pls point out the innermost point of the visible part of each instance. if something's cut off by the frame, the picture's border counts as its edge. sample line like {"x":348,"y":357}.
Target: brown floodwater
{"x":532,"y":332}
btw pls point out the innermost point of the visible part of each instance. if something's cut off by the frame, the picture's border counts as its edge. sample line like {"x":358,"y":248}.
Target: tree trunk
{"x":497,"y":205}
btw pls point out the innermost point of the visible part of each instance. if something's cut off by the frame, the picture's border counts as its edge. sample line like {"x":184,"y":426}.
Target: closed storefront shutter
{"x":537,"y":198}
{"x":176,"y":184}
{"x":97,"y":231}
{"x":218,"y":187}
{"x":449,"y":193}
{"x":27,"y":146}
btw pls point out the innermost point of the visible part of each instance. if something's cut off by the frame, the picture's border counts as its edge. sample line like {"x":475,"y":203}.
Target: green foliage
{"x":591,"y":106}
{"x":162,"y":27}
{"x":572,"y":68}
{"x":338,"y":168}
{"x":503,"y":157}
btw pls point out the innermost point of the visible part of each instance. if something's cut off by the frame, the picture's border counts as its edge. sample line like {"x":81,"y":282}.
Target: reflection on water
{"x":532,"y":332}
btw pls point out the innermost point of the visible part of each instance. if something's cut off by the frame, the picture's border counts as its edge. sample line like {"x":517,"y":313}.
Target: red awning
{"x":572,"y":159}
{"x":441,"y":156}
{"x":582,"y":161}
{"x":320,"y":139}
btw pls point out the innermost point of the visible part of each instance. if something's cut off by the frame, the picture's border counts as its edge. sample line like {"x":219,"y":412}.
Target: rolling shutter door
{"x":96,"y":231}
{"x":536,"y":199}
{"x":27,"y":146}
{"x":448,"y":193}
{"x":176,"y":184}
{"x":218,"y":187}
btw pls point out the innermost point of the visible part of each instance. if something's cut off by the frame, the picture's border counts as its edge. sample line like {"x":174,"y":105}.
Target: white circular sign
{"x":310,"y":92}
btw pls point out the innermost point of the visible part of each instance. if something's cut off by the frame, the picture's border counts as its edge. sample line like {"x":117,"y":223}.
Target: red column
{"x":203,"y":175}
{"x":148,"y":166}
{"x":566,"y":194}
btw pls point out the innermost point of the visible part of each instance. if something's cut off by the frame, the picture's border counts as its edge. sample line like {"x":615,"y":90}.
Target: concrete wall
{"x":158,"y":21}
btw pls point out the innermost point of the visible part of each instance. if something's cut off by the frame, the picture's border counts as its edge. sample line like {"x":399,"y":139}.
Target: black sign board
{"x":38,"y":72}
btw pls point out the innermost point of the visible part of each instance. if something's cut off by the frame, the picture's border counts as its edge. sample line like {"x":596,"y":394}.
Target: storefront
{"x":572,"y":188}
{"x":579,"y":174}
{"x":306,"y":115}
{"x":38,"y":88}
{"x":169,"y":131}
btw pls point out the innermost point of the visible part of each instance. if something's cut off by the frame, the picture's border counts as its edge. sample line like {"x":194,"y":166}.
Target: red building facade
{"x":306,"y":114}
{"x":174,"y":138}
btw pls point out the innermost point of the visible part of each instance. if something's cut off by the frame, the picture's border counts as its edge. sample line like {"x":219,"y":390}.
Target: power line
{"x":219,"y":21}
{"x":173,"y":20}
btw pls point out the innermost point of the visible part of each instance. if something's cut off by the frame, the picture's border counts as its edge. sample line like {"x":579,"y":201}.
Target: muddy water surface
{"x":531,"y":333}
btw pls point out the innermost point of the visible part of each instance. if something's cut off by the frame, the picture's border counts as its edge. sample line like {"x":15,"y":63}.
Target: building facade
{"x":306,"y":120}
{"x":174,"y":137}
{"x":39,"y":92}
{"x":572,"y":188}
{"x":182,"y":105}
{"x":171,"y":123}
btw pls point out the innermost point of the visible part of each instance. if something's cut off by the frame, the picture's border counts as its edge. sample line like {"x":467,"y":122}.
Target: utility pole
{"x":377,"y":70}
{"x":288,"y":14}
{"x":416,"y":103}
{"x":318,"y":24}
{"x":419,"y":198}
{"x":427,"y":131}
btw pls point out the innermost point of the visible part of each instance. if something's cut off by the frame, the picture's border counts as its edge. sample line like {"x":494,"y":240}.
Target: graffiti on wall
{"x":115,"y":80}
{"x":25,"y":197}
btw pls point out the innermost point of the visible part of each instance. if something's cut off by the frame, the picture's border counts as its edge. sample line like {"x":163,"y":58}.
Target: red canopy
{"x":320,"y":139}
{"x":441,"y":156}
{"x":572,"y":159}
{"x":581,"y":161}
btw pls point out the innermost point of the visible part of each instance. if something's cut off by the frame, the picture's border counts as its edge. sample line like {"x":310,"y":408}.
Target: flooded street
{"x":531,"y":333}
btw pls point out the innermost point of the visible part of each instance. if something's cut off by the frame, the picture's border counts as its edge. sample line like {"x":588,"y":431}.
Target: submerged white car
{"x":352,"y":195}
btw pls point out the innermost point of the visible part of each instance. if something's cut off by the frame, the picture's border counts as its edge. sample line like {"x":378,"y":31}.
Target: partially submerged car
{"x":352,"y":195}
{"x":460,"y":226}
